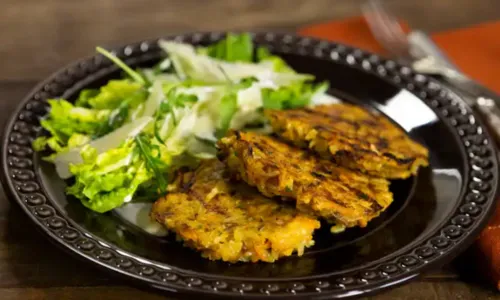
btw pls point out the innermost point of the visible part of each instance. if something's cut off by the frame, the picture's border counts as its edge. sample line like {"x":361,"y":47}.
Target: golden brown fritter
{"x":320,"y":187}
{"x":231,"y":221}
{"x":353,"y":137}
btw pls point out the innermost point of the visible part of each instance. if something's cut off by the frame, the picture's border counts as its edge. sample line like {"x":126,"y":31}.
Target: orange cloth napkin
{"x":476,"y":51}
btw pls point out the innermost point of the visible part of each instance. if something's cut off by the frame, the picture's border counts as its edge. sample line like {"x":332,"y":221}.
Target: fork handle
{"x":422,"y":45}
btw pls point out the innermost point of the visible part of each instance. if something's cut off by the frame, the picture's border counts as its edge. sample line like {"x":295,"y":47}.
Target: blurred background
{"x":40,"y":36}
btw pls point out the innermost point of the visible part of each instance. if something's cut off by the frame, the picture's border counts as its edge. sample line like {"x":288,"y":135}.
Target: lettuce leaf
{"x":104,"y":181}
{"x":235,"y":47}
{"x":107,"y":180}
{"x":65,"y":159}
{"x":292,"y":96}
{"x":240,"y":48}
{"x":265,"y":57}
{"x":64,"y":121}
{"x":109,"y":96}
{"x":84,"y":97}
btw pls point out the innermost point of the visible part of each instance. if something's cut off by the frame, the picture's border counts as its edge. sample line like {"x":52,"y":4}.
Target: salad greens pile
{"x":122,"y":142}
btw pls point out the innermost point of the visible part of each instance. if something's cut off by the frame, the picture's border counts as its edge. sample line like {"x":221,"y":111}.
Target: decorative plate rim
{"x":476,"y":201}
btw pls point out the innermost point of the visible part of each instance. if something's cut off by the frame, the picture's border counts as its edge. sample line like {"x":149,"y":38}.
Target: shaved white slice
{"x":163,"y":77}
{"x":277,"y":79}
{"x":176,"y":141}
{"x":138,"y":214}
{"x":324,"y":99}
{"x":102,"y":144}
{"x":154,"y":100}
{"x":204,"y":128}
{"x":200,"y":149}
{"x":249,"y":102}
{"x":321,"y":97}
{"x":188,"y":63}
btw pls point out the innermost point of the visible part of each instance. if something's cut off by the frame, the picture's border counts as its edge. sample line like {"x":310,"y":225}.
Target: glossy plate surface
{"x":433,"y":217}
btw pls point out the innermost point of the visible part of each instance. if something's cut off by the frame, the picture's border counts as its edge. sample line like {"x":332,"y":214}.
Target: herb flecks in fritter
{"x":232,"y":221}
{"x":320,"y":187}
{"x":353,"y":137}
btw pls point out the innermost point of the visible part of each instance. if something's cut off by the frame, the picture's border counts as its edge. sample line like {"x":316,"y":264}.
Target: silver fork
{"x":388,"y":31}
{"x":419,"y":51}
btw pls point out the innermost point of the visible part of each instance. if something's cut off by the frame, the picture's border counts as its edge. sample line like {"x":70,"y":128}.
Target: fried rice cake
{"x":320,"y":187}
{"x":231,"y":221}
{"x":353,"y":137}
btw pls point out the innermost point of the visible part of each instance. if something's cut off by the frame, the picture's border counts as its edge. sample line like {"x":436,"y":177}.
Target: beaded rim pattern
{"x":475,"y":204}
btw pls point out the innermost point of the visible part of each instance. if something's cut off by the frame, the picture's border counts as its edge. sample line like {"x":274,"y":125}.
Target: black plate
{"x":433,"y":217}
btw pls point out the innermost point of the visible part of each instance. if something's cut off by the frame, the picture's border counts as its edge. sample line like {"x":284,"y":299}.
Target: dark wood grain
{"x":47,"y":34}
{"x":413,"y":291}
{"x":40,"y":36}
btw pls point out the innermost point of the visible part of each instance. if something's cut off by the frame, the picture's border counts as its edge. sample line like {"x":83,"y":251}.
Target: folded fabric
{"x":475,"y":50}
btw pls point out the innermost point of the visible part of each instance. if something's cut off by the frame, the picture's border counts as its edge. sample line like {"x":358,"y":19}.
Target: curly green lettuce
{"x":107,"y":180}
{"x":69,"y":125}
{"x":109,"y":96}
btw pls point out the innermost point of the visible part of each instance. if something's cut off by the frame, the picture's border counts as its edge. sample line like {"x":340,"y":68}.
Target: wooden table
{"x":40,"y":36}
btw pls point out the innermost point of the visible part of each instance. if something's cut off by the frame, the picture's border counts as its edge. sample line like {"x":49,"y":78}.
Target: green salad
{"x":122,"y":142}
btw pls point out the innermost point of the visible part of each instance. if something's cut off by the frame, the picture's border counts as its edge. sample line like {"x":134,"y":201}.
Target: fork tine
{"x":386,"y":28}
{"x":391,"y":19}
{"x":378,"y":26}
{"x":393,"y":23}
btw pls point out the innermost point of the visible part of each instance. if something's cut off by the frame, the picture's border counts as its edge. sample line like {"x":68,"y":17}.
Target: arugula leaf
{"x":122,"y":113}
{"x":157,"y":126}
{"x":116,"y":119}
{"x":228,"y":107}
{"x":152,"y":158}
{"x":235,"y":47}
{"x":182,"y":100}
{"x":165,"y":108}
{"x":147,"y":81}
{"x":133,"y":74}
{"x":173,"y":99}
